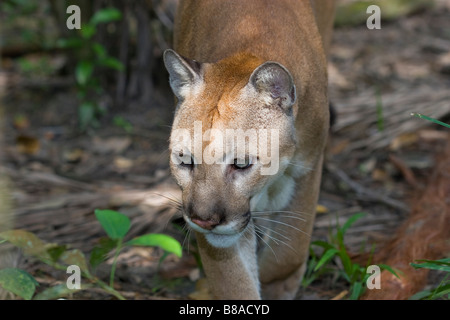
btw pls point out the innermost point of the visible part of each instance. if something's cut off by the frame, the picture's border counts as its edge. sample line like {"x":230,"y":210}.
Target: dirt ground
{"x":60,"y":177}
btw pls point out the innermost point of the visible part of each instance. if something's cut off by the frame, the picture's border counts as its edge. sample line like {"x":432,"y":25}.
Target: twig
{"x":341,"y":295}
{"x":407,"y":173}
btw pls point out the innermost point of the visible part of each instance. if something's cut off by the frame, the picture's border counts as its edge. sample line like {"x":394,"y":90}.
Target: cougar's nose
{"x":207,"y":224}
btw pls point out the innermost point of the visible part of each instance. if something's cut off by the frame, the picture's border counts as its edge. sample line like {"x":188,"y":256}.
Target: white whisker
{"x":173,"y":202}
{"x":276,"y":240}
{"x":187,"y":238}
{"x":301,"y":166}
{"x":262,"y":239}
{"x":266,"y":213}
{"x":247,"y":234}
{"x":279,"y":233}
{"x":298,"y":213}
{"x":291,"y":217}
{"x":282,"y":223}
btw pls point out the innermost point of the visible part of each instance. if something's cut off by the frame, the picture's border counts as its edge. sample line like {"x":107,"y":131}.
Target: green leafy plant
{"x":441,"y":291}
{"x":91,"y":55}
{"x":123,"y":123}
{"x":18,"y":282}
{"x":115,"y":224}
{"x":335,"y":251}
{"x":28,"y":26}
{"x":40,"y":66}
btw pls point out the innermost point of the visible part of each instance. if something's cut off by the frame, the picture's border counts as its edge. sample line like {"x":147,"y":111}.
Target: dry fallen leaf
{"x":73,"y":156}
{"x":321,"y":209}
{"x":122,"y":163}
{"x":403,"y":140}
{"x":432,"y":135}
{"x":111,"y":145}
{"x":28,"y":145}
{"x":379,"y":175}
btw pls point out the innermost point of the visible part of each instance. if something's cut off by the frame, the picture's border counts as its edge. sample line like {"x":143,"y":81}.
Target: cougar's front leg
{"x":282,"y":265}
{"x":232,"y":273}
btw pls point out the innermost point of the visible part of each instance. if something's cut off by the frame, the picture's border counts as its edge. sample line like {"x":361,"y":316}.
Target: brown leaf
{"x":28,"y":242}
{"x":379,"y":175}
{"x":321,"y":209}
{"x":75,"y":257}
{"x":114,"y":145}
{"x":122,"y":163}
{"x":28,"y":145}
{"x":403,"y":140}
{"x":73,"y":156}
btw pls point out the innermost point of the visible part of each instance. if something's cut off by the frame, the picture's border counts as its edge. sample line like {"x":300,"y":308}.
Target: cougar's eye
{"x":185,"y":160}
{"x":241,"y":165}
{"x":188,"y":164}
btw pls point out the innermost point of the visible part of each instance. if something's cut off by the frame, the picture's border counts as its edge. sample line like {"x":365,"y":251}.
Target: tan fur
{"x":237,"y":86}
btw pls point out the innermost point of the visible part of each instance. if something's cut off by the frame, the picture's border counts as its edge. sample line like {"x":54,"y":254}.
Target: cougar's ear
{"x":184,"y":73}
{"x":275,"y":84}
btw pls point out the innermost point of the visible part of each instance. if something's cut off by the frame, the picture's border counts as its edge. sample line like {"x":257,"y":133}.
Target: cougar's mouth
{"x":222,"y":235}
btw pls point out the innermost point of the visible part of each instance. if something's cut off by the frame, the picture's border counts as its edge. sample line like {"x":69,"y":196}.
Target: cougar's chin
{"x":222,"y":240}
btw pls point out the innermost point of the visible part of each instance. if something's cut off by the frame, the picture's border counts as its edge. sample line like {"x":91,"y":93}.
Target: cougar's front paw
{"x":284,"y":289}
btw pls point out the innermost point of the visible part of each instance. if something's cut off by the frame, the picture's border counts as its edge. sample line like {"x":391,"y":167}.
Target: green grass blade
{"x":351,"y":221}
{"x":441,"y":291}
{"x":346,"y":261}
{"x":432,"y":264}
{"x":430,"y":295}
{"x":357,"y":272}
{"x":390,"y":269}
{"x":356,"y":291}
{"x":421,"y":116}
{"x":420,"y":295}
{"x":445,"y":261}
{"x":330,"y":253}
{"x":322,"y":244}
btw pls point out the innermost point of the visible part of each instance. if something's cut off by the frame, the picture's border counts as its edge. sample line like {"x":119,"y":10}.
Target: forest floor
{"x":377,"y":78}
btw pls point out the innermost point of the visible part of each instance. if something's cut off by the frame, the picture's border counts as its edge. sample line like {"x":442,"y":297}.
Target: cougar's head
{"x":233,"y":136}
